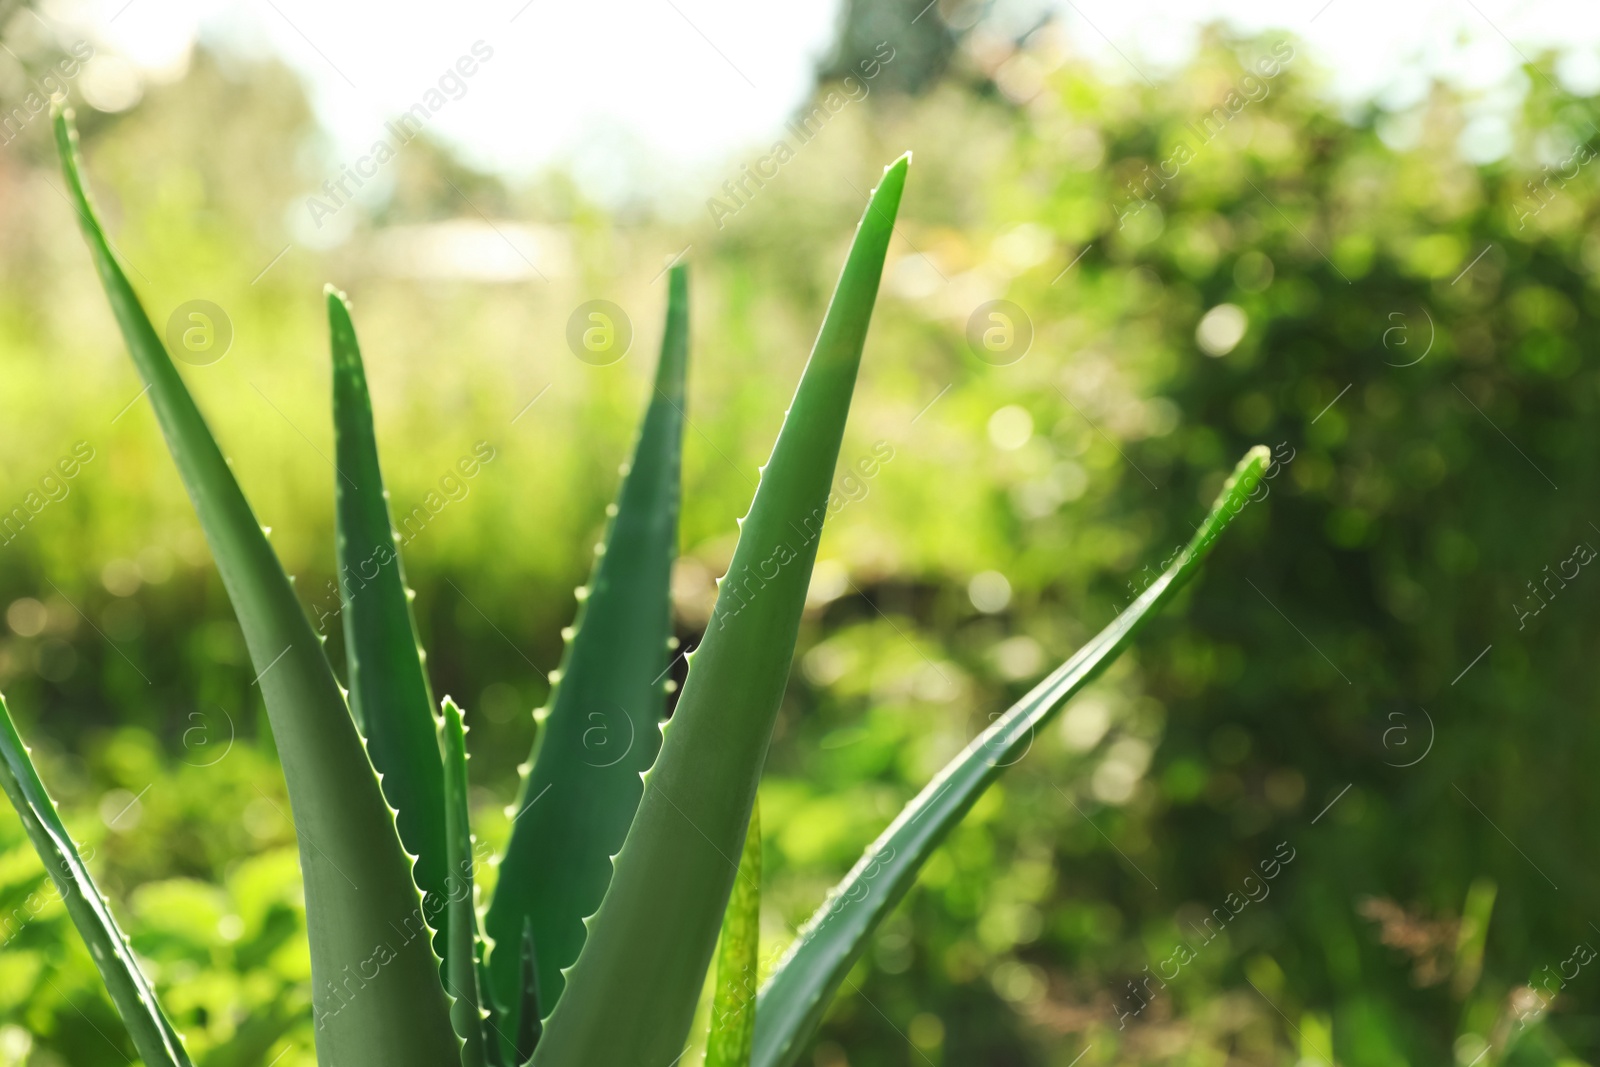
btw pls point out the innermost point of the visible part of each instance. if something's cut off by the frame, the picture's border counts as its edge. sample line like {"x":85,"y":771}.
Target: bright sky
{"x":631,"y":92}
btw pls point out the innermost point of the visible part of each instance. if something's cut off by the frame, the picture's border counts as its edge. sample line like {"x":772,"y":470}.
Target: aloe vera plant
{"x":613,"y":899}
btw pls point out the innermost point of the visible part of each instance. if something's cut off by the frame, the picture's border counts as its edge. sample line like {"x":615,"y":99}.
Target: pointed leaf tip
{"x":389,"y":694}
{"x":1249,"y":469}
{"x":795,"y":998}
{"x":894,"y":179}
{"x":461,"y":945}
{"x":336,"y":797}
{"x":347,"y":365}
{"x":530,"y":1026}
{"x":727,"y":709}
{"x":601,"y":728}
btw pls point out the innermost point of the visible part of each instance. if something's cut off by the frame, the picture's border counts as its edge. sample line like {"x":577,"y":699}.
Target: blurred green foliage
{"x":1359,"y":678}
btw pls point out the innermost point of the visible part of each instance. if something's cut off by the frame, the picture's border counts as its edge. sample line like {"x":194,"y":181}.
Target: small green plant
{"x":614,"y":895}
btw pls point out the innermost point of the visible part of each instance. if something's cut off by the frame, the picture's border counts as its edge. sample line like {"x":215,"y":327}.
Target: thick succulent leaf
{"x":602,"y":730}
{"x":530,"y":1020}
{"x":376,"y":992}
{"x":651,"y":941}
{"x":389,"y":694}
{"x":153,"y":1036}
{"x":493,"y":1016}
{"x":733,"y":1008}
{"x":794,"y":999}
{"x":461,"y":967}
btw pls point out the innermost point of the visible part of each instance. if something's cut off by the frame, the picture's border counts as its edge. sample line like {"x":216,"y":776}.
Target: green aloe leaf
{"x":130,"y":991}
{"x":602,"y":729}
{"x":376,"y":992}
{"x":651,"y":941}
{"x":461,"y":967}
{"x":794,"y":999}
{"x":733,"y":1009}
{"x":493,"y":1016}
{"x":530,"y":1021}
{"x":389,"y":693}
